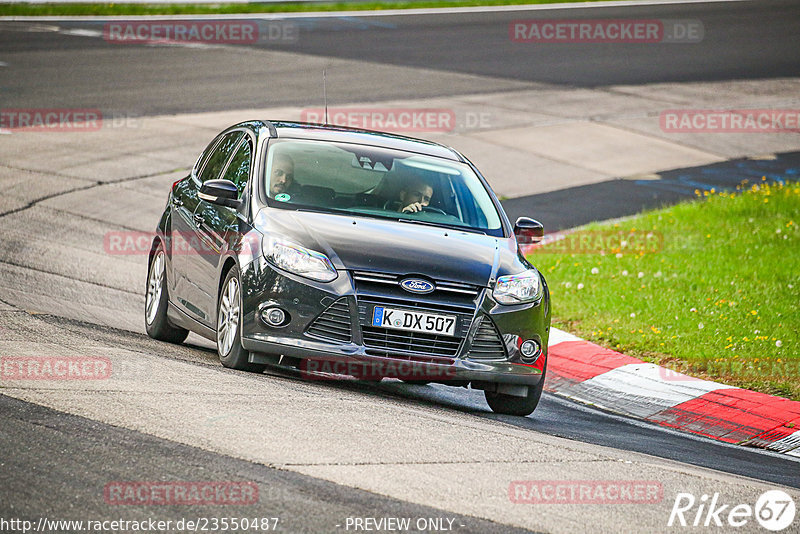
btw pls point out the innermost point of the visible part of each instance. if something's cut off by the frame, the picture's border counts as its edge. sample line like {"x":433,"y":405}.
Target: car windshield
{"x":378,"y":182}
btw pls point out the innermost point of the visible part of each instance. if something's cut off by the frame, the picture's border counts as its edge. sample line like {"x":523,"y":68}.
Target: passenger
{"x":282,"y":176}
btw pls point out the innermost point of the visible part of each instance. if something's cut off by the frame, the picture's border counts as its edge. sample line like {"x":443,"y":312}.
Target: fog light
{"x":273,"y":316}
{"x":530,"y":350}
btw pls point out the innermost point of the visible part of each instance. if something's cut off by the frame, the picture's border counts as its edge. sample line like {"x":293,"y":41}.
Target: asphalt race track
{"x":460,"y":53}
{"x":567,"y":208}
{"x":321,"y":452}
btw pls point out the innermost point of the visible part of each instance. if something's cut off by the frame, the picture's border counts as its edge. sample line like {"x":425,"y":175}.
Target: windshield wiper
{"x":442,"y":225}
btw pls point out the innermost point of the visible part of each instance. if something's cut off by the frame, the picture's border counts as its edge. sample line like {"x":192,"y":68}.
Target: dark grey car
{"x":342,"y":251}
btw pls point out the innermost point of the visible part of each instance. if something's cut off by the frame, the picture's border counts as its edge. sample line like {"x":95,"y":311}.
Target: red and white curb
{"x":591,"y":374}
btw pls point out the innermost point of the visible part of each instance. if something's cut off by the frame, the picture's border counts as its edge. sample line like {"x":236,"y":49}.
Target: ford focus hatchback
{"x":351,"y":252}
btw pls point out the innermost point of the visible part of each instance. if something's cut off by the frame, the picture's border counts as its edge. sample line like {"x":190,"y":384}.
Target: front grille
{"x":387,"y":342}
{"x":366,"y":303}
{"x":389,"y":284}
{"x":333,"y":323}
{"x":448,"y":298}
{"x":487,"y":343}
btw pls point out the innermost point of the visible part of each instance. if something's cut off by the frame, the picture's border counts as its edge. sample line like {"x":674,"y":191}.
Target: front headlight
{"x":299,"y":260}
{"x":518,"y":288}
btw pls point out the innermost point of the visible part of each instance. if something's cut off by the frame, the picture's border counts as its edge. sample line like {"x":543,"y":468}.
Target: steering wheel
{"x":431,"y":209}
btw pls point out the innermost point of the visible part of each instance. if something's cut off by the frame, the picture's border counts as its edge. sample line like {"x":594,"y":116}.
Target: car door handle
{"x":176,"y":201}
{"x":198,"y":219}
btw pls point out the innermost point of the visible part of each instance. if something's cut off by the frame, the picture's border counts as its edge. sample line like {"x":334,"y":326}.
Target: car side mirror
{"x":221,"y":193}
{"x":528,"y":231}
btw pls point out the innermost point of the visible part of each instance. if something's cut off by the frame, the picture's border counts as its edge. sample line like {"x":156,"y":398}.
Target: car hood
{"x":368,"y":244}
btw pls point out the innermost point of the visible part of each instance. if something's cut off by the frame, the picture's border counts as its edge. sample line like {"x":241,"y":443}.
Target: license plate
{"x":429,"y":323}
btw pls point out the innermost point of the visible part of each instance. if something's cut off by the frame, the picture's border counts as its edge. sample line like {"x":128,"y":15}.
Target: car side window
{"x":203,"y":159}
{"x":238,"y":170}
{"x":220,"y":156}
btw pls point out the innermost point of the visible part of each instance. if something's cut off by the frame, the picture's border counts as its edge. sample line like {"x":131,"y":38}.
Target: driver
{"x":415,"y":195}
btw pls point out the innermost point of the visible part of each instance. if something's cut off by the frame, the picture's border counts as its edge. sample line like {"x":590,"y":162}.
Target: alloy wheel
{"x":154,"y":287}
{"x":228,"y":317}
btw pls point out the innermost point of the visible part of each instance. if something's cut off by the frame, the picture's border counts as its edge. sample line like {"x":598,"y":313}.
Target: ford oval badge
{"x":417,"y":285}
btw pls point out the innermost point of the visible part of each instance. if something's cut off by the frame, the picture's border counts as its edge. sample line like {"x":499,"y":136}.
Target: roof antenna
{"x":325,"y":94}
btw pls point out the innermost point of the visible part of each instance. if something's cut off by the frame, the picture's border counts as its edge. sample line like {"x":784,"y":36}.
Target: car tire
{"x":511,"y":405}
{"x":229,"y":326}
{"x":156,"y":302}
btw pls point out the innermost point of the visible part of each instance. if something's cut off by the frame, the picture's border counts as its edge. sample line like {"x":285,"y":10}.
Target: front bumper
{"x":305,"y":301}
{"x":353,"y":360}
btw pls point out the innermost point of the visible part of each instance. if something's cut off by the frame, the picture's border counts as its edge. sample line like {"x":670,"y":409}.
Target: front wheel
{"x":229,"y":326}
{"x":511,"y":405}
{"x":156,"y":301}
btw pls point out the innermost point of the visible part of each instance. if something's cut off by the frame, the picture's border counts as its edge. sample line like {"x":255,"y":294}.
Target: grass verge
{"x":86,"y":9}
{"x":709,"y":287}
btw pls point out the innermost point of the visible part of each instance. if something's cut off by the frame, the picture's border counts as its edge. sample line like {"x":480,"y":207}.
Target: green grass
{"x":720,"y":299}
{"x":78,"y":9}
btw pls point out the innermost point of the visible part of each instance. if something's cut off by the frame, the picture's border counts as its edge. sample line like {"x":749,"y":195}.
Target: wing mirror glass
{"x":221,"y":193}
{"x":528,"y":231}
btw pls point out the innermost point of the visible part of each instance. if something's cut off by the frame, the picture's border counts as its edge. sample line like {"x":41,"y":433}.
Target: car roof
{"x":343,"y":134}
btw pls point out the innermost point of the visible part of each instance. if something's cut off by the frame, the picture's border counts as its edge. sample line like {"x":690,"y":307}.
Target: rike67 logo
{"x":774,"y":510}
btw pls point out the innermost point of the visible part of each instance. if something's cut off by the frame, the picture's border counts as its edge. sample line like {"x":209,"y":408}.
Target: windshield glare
{"x":377,"y":182}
